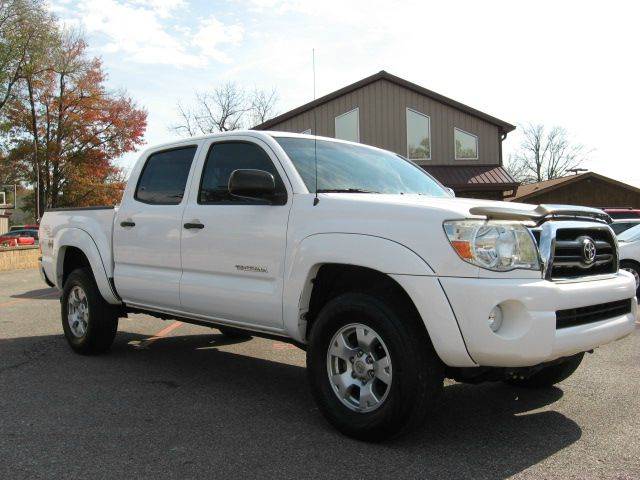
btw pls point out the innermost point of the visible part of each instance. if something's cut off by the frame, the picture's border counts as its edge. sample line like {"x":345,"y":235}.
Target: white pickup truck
{"x":354,"y":254}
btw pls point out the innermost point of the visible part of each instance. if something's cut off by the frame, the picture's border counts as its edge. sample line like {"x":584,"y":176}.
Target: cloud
{"x":148,"y":32}
{"x":211,"y":33}
{"x":511,"y":59}
{"x":164,"y":8}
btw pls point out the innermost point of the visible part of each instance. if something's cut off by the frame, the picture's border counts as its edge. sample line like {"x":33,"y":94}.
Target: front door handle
{"x":127,"y":223}
{"x":191,"y":225}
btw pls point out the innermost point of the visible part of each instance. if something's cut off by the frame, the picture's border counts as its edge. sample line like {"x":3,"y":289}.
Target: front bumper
{"x":528,"y":335}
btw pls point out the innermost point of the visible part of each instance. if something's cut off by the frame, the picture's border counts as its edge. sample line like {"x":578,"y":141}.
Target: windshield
{"x":352,"y":168}
{"x":619,"y":227}
{"x":630,"y":235}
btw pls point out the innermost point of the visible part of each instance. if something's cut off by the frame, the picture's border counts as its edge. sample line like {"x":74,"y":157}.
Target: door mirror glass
{"x":252,"y":184}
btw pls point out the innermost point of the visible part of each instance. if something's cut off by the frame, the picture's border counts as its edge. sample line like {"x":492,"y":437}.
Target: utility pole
{"x":35,"y":147}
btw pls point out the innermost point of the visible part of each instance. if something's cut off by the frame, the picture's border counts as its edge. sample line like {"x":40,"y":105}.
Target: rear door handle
{"x":127,"y":223}
{"x":191,"y":225}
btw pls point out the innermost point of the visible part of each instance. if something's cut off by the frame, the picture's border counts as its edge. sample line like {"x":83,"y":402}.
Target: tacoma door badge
{"x":251,"y":268}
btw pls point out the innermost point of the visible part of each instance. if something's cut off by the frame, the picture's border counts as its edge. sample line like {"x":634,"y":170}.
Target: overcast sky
{"x":573,"y":64}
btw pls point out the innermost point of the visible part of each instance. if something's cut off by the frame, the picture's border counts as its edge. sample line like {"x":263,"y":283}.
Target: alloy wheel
{"x":78,"y":311}
{"x":359,"y":367}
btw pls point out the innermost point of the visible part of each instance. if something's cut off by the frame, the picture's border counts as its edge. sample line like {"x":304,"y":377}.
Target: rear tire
{"x":414,"y":373}
{"x":89,"y":322}
{"x":235,"y":333}
{"x":550,"y":375}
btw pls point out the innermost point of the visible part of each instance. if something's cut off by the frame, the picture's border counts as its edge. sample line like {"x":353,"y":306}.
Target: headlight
{"x":498,"y":246}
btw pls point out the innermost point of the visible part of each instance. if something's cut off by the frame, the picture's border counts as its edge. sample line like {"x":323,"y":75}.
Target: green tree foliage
{"x":25,"y":35}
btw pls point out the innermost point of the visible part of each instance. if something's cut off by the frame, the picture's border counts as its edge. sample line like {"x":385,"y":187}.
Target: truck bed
{"x":86,"y":224}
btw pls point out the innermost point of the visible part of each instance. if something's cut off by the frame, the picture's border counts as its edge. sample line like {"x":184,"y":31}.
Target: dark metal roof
{"x":472,"y":177}
{"x":505,"y":127}
{"x":533,"y":189}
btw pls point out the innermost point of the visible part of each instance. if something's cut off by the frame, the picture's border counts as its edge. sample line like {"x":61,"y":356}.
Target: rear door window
{"x":164,"y":176}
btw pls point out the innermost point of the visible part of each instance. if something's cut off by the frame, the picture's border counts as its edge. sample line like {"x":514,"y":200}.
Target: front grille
{"x":569,"y":259}
{"x":593,"y":313}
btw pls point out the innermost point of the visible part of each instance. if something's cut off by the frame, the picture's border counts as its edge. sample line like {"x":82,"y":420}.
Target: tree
{"x":262,"y":105}
{"x":25,"y":31}
{"x":67,"y":129}
{"x":545,"y":154}
{"x":226,"y":108}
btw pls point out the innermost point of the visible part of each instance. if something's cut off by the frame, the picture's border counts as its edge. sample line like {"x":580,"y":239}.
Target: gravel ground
{"x":193,"y":404}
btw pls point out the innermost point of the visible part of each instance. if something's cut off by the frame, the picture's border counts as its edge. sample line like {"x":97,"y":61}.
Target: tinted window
{"x":619,"y":227}
{"x":357,"y":168}
{"x":624,"y":214}
{"x":222,"y":160}
{"x":164,"y":176}
{"x":630,"y":235}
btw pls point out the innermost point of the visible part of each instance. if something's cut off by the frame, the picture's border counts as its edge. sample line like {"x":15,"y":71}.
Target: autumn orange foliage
{"x":69,"y":126}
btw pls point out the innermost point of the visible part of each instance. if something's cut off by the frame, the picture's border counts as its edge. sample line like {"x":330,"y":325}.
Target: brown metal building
{"x":457,"y":144}
{"x":588,"y":189}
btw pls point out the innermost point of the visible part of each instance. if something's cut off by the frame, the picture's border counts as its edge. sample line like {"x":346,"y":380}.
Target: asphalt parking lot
{"x":178,"y":401}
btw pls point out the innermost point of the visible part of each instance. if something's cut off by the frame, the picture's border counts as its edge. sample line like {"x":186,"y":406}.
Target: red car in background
{"x":622,"y":212}
{"x":31,"y":226}
{"x":17,"y":238}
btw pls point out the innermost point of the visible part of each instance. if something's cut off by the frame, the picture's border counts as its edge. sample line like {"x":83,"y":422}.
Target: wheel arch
{"x":396,"y":265}
{"x":630,"y":261}
{"x":345,"y":256}
{"x":332,"y":279}
{"x":75,"y":249}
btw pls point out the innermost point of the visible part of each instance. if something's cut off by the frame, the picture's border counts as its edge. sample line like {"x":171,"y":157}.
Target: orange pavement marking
{"x":162,"y":333}
{"x":166,"y":330}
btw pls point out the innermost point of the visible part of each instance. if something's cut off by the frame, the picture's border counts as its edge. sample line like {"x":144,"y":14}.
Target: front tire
{"x":549,"y":376}
{"x":371,"y":366}
{"x":89,"y":322}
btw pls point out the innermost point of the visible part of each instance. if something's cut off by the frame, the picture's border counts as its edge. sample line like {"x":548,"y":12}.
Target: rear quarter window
{"x":164,"y":176}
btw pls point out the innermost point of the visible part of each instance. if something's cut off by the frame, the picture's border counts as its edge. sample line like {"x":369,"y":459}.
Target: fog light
{"x":495,"y":318}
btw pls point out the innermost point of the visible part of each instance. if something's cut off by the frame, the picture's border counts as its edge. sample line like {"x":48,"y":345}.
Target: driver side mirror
{"x":253,"y":185}
{"x":450,"y":190}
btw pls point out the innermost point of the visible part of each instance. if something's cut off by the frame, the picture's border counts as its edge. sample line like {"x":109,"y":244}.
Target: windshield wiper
{"x":344,"y":190}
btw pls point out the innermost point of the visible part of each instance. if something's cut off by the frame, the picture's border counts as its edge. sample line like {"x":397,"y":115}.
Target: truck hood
{"x":490,"y":209}
{"x":416,"y":221}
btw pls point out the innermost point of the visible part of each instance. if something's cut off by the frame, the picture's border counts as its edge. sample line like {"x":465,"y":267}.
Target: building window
{"x":466,"y":145}
{"x":306,"y":132}
{"x":348,"y":126}
{"x":418,"y":136}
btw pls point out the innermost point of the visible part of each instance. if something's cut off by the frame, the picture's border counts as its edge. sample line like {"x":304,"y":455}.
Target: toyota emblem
{"x":588,"y":251}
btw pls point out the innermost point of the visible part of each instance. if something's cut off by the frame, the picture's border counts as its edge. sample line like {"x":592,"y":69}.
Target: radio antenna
{"x":315,"y":124}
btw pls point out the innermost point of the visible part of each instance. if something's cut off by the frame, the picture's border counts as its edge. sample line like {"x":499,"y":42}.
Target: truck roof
{"x":252,"y":133}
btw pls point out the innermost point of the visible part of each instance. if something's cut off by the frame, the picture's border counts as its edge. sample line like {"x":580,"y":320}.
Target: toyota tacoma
{"x":352,"y":253}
